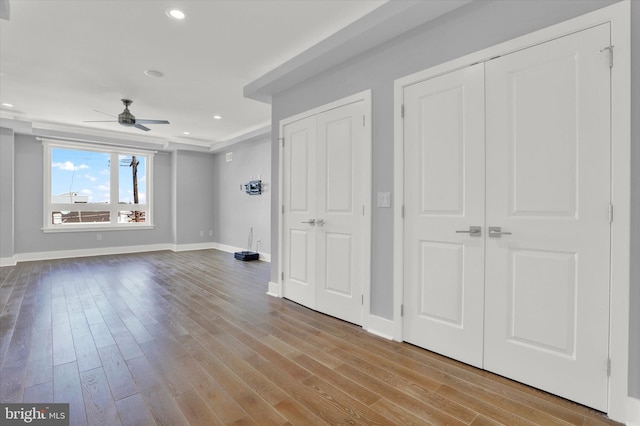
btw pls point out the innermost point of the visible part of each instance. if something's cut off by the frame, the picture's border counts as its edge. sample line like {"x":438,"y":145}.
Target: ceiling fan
{"x":127,"y":119}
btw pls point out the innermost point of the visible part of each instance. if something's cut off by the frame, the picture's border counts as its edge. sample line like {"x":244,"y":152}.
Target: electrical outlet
{"x":202,"y":233}
{"x":211,"y":232}
{"x":99,"y":237}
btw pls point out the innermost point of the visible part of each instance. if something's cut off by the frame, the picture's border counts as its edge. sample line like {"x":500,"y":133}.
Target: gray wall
{"x":237,"y":211}
{"x":186,"y":187}
{"x":471,"y":28}
{"x":6,"y":193}
{"x":29,"y":198}
{"x":195,"y":202}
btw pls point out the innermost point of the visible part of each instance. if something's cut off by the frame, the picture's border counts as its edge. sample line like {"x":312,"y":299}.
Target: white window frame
{"x":113,"y":206}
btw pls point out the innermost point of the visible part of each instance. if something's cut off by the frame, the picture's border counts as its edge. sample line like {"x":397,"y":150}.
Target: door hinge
{"x":282,"y":139}
{"x":283,"y":209}
{"x":362,"y":299}
{"x":282,"y":276}
{"x":610,"y":49}
{"x":363,"y":210}
{"x":401,"y":310}
{"x":363,"y":120}
{"x":608,"y":367}
{"x":610,"y":213}
{"x":402,"y":212}
{"x":402,"y":111}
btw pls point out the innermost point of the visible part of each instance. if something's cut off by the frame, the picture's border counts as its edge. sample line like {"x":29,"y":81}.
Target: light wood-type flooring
{"x":192,"y":338}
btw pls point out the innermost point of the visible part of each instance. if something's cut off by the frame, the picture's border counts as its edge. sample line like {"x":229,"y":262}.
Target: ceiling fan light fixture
{"x":217,"y":117}
{"x":176,"y":14}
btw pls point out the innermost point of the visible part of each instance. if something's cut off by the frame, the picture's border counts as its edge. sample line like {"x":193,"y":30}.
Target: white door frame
{"x":619,"y":16}
{"x":276,"y":289}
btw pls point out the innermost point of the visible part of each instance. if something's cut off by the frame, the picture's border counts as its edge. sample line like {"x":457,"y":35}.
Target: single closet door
{"x":548,"y":189}
{"x":299,"y":189}
{"x":323,"y":241}
{"x":444,"y":214}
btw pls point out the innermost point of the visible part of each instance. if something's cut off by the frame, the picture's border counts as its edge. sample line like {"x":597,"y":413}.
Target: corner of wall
{"x":633,"y":411}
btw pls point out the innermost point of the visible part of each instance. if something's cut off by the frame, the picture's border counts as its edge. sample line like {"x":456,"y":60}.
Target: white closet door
{"x":324,"y":233}
{"x":340,"y":233}
{"x":444,"y":195}
{"x":299,"y":189}
{"x":548,"y":174}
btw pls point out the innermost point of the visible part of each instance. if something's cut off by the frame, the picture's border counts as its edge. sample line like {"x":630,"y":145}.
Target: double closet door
{"x":323,"y":241}
{"x":507,"y":215}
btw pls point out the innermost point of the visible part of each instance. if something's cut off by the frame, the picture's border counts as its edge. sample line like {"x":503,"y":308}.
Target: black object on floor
{"x":246,"y":255}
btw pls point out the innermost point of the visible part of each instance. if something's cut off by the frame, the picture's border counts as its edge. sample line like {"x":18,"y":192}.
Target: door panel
{"x":299,"y":242}
{"x":548,"y":169}
{"x":340,"y":202}
{"x":442,"y":275}
{"x":543,"y":278}
{"x":444,"y":194}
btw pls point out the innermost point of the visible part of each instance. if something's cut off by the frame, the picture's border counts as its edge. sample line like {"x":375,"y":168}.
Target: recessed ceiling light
{"x":217,"y":117}
{"x":176,"y":14}
{"x":7,"y":105}
{"x":186,"y":133}
{"x":154,"y":73}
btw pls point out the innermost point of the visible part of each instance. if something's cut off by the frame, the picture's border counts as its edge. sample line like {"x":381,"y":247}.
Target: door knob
{"x":310,"y":222}
{"x":319,"y":222}
{"x":497,"y":232}
{"x":474,"y":231}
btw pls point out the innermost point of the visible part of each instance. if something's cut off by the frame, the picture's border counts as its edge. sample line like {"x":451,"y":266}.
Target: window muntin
{"x":89,"y":187}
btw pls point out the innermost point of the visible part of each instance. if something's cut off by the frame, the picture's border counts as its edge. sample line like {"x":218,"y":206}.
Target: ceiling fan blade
{"x":138,"y":120}
{"x":141,"y":127}
{"x":100,"y":121}
{"x":106,"y":113}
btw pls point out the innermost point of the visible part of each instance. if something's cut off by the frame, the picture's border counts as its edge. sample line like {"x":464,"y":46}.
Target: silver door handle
{"x":310,"y":222}
{"x":497,"y":232}
{"x":319,"y":222}
{"x":474,"y":231}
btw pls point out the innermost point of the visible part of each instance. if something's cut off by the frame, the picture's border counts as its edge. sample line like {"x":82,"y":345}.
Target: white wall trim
{"x":265,"y":257}
{"x":69,"y":254}
{"x":633,"y":412}
{"x":105,"y":251}
{"x":381,"y":327}
{"x":8,"y":261}
{"x":619,"y":16}
{"x":274,"y":290}
{"x":193,"y":246}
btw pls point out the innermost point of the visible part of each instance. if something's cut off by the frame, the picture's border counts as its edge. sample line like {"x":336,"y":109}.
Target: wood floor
{"x":191,"y":338}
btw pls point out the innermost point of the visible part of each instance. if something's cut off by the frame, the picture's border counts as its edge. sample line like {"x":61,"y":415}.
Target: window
{"x":96,"y":187}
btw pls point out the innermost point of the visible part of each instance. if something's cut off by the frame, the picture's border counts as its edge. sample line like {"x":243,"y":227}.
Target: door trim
{"x":619,"y":17}
{"x":276,"y":289}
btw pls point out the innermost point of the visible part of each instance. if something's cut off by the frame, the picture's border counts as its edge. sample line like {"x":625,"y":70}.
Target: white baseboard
{"x":265,"y":257}
{"x":104,"y":251}
{"x":274,"y":289}
{"x":633,"y":411}
{"x":380,"y":327}
{"x":195,"y":246}
{"x":8,"y":261}
{"x":66,"y":254}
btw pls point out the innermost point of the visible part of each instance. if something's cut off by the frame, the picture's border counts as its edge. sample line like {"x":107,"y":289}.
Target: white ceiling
{"x":62,"y":60}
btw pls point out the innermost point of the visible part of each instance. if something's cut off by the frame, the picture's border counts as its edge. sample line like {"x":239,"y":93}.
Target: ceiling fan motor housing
{"x":126,"y":118}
